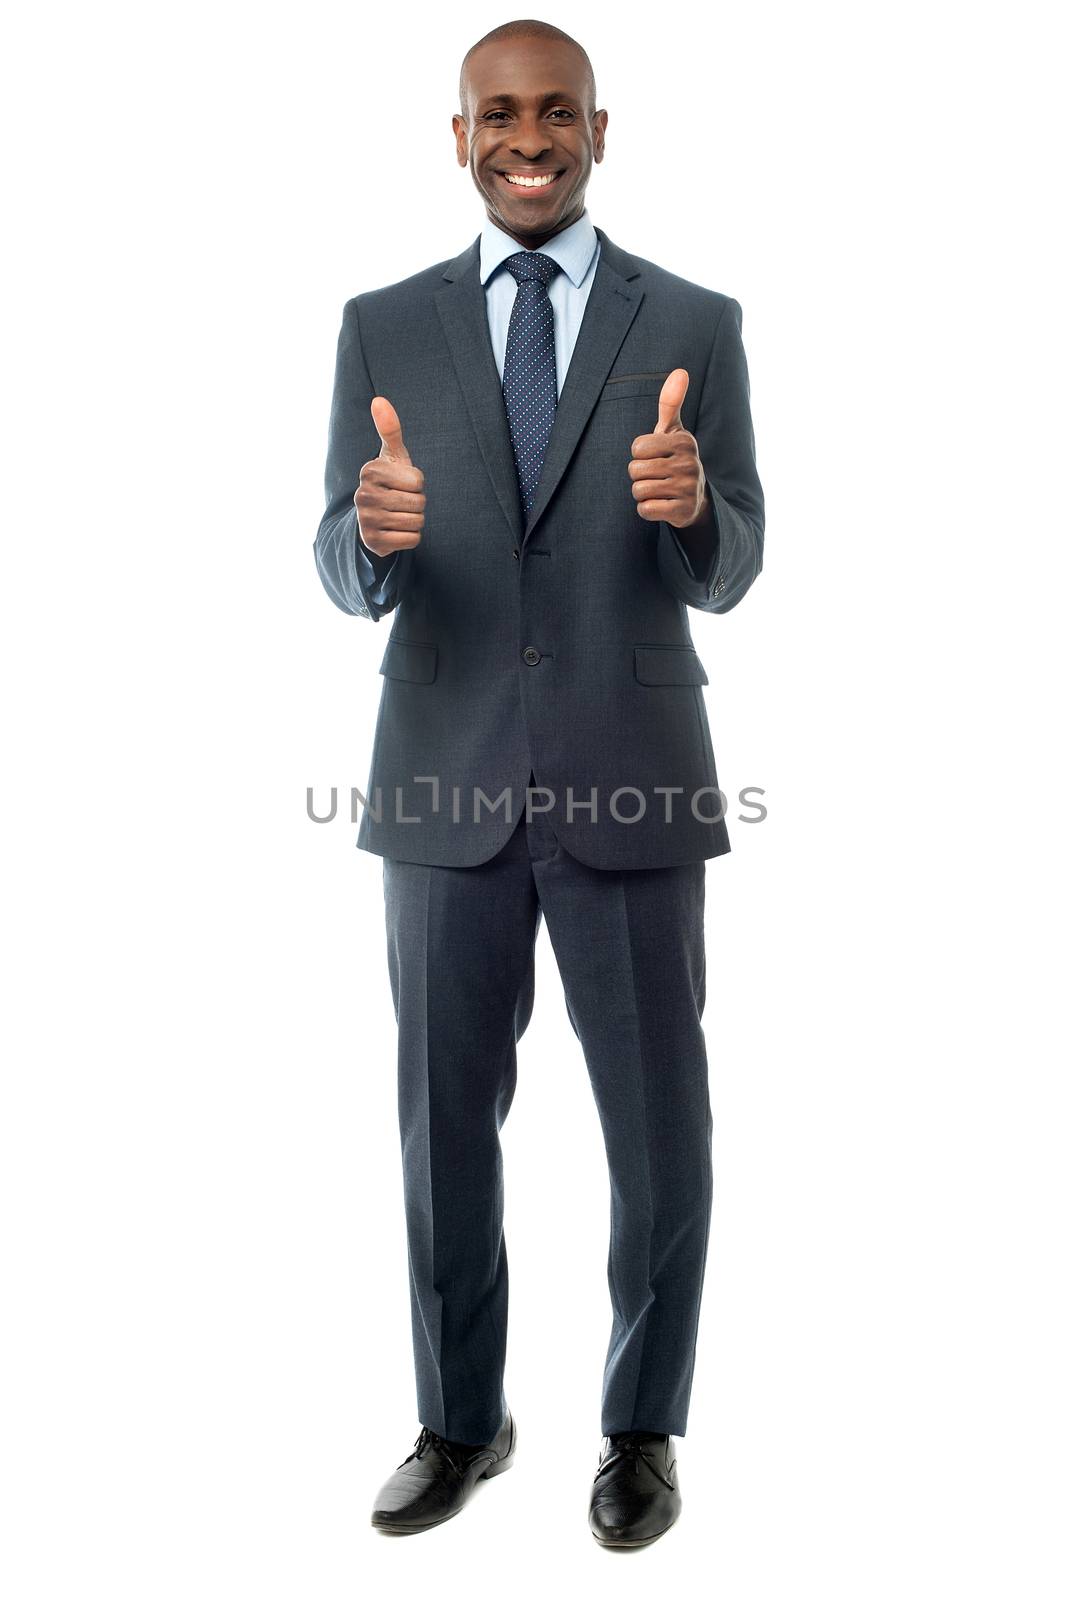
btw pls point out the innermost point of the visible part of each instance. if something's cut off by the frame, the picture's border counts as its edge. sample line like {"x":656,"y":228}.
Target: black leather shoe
{"x":635,"y":1492}
{"x":435,"y":1480}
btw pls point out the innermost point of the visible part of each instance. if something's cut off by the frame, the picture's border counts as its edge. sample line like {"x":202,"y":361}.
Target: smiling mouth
{"x":529,"y":183}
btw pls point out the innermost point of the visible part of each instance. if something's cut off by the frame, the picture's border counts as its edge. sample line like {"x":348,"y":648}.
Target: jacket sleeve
{"x":358,"y":581}
{"x":725,"y":435}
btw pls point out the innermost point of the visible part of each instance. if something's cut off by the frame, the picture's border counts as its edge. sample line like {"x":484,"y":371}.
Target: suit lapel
{"x":461,"y":304}
{"x":612,"y":303}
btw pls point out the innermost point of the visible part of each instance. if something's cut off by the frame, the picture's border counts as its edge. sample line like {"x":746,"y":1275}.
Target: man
{"x":509,"y":472}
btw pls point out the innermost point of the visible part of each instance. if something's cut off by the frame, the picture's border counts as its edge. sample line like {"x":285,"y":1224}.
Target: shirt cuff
{"x":378,"y":575}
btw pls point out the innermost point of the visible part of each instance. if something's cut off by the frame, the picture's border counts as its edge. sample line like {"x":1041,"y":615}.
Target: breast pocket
{"x":633,"y":385}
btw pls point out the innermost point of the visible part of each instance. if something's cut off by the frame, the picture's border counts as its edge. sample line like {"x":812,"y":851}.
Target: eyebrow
{"x":510,"y":100}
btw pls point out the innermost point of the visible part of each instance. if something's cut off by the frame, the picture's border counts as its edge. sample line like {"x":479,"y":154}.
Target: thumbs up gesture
{"x":668,"y":483}
{"x":390,"y":498}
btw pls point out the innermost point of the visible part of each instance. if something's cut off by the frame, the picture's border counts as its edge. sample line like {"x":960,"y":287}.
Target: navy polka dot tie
{"x":529,"y":393}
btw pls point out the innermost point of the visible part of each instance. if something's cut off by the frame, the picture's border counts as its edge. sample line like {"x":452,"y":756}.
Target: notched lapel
{"x":612,"y":303}
{"x":463,"y":312}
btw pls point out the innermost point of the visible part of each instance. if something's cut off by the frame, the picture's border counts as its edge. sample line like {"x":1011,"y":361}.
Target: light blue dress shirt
{"x":576,"y":249}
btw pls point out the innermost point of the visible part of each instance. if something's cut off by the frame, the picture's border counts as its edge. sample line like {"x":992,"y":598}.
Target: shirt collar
{"x":573,"y":248}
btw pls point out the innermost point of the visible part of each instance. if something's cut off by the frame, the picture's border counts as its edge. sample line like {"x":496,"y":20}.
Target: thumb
{"x":670,"y":401}
{"x":386,"y":421}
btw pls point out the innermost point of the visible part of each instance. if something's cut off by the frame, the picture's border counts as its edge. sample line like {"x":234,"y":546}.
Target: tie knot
{"x":530,"y":266}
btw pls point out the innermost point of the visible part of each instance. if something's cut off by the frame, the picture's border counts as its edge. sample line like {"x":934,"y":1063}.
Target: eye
{"x":559,"y":111}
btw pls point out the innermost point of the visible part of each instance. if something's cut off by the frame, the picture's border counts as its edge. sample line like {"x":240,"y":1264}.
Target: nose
{"x":528,"y":140}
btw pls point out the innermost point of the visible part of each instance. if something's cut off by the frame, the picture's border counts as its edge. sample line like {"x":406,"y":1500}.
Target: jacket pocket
{"x":413,"y":663}
{"x":668,"y":663}
{"x":627,"y":385}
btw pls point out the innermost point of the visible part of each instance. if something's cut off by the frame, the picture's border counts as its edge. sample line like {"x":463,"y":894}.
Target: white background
{"x":206,"y":1361}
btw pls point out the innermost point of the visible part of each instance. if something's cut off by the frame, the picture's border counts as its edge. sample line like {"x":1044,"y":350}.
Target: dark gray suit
{"x":557,"y":655}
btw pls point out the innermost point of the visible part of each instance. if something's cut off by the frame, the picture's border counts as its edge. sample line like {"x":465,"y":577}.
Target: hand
{"x":390,"y":498}
{"x":668,"y":483}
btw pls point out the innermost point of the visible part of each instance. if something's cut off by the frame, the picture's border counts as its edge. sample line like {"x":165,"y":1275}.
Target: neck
{"x":533,"y":241}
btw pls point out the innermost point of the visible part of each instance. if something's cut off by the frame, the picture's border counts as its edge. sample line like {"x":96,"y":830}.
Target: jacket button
{"x":515,"y":553}
{"x":531,"y":655}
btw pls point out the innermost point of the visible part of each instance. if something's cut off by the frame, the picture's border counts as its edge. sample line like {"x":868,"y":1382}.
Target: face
{"x":528,"y":117}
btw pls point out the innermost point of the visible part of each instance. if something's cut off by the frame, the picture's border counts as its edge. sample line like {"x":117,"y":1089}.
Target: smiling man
{"x":540,"y":456}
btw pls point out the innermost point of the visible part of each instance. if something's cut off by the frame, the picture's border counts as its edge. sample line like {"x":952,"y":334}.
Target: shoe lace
{"x":428,"y":1440}
{"x":629,"y":1447}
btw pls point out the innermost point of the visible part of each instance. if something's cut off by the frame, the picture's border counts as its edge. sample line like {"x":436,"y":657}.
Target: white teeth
{"x":530,"y":183}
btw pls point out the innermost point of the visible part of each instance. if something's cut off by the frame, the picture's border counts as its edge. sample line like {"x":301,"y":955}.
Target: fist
{"x":390,"y":498}
{"x":668,"y":484}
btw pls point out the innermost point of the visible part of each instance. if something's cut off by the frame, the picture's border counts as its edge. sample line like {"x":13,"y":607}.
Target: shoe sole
{"x":628,"y":1544}
{"x":423,"y":1527}
{"x":633,"y":1544}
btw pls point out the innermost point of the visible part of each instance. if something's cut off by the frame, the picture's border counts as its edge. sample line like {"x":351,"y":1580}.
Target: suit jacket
{"x":560,"y":649}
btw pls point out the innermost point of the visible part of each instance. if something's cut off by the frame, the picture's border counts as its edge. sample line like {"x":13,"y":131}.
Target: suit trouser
{"x":630,"y":952}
